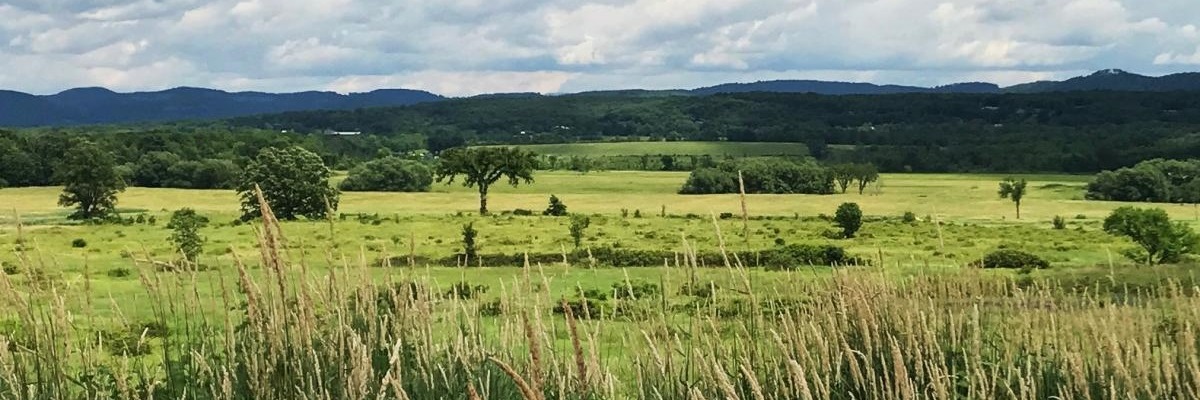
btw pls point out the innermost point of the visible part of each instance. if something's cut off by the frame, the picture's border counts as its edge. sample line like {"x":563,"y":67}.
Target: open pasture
{"x":918,"y":318}
{"x":627,"y":211}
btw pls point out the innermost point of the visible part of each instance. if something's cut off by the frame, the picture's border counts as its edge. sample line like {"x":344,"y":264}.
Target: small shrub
{"x":780,"y":242}
{"x":1059,"y":222}
{"x":849,"y":218}
{"x":522,"y":212}
{"x":119,"y":272}
{"x":556,"y":207}
{"x":465,"y":291}
{"x":1080,"y":216}
{"x":909,"y":217}
{"x":493,"y":308}
{"x":79,"y":243}
{"x":468,"y":234}
{"x":702,"y":290}
{"x":635,"y":290}
{"x":185,"y":228}
{"x":153,"y":329}
{"x":624,"y":213}
{"x":579,"y":223}
{"x":10,"y":268}
{"x":124,"y":343}
{"x":1013,"y":259}
{"x":637,"y":213}
{"x":726,"y":215}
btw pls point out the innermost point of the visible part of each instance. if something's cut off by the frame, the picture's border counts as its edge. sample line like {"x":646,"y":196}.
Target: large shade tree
{"x":1161,"y":240}
{"x":90,"y":181}
{"x":294,"y":182}
{"x":483,"y":166}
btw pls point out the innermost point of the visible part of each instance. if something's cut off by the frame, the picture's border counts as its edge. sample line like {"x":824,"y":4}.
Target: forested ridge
{"x":1073,"y":132}
{"x":1078,"y":132}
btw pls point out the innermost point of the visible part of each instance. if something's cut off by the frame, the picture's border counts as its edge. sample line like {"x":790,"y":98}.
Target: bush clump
{"x":79,"y":243}
{"x":761,"y":175}
{"x":556,"y":207}
{"x":389,"y":174}
{"x":1013,"y":259}
{"x":798,"y":255}
{"x":465,"y":291}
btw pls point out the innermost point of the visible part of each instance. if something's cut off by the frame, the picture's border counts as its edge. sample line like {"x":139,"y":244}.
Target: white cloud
{"x":1171,"y":58}
{"x":460,"y":47}
{"x":462,"y":83}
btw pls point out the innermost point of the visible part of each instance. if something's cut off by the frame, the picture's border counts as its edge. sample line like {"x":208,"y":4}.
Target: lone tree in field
{"x":186,"y":225}
{"x":294,"y":181}
{"x":1151,"y":228}
{"x":1013,"y":189}
{"x":91,"y":181}
{"x":482,"y":167}
{"x":849,"y":218}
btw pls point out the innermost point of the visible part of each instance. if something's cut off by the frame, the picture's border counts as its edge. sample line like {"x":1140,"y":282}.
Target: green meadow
{"x":111,"y":296}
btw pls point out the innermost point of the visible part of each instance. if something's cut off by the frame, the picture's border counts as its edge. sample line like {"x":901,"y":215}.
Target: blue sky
{"x":465,"y":47}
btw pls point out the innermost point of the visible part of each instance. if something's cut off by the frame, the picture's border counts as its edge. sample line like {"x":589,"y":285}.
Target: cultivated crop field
{"x":371,"y":304}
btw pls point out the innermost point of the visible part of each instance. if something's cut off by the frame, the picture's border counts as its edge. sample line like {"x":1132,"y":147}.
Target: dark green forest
{"x":1076,"y":132}
{"x":1072,"y":132}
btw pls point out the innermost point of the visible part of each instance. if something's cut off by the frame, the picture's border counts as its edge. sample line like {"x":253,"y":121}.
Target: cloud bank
{"x":465,"y":47}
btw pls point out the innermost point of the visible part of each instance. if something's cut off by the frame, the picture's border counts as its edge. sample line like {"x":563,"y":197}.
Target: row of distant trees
{"x":295,"y":181}
{"x":1157,"y":180}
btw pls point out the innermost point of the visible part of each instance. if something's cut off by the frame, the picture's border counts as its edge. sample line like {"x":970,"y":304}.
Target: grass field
{"x":975,"y":220}
{"x":916,"y":324}
{"x":734,"y":149}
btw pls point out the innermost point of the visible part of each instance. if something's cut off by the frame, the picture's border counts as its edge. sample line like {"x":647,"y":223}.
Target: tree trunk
{"x":483,"y":191}
{"x":1018,"y":210}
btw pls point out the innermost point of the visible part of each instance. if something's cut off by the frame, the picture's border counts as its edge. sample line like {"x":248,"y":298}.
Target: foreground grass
{"x":310,"y":314}
{"x":285,"y":328}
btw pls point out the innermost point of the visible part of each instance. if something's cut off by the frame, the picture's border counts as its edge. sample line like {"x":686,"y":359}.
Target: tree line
{"x":1157,"y":180}
{"x":1079,"y":132}
{"x":181,"y":156}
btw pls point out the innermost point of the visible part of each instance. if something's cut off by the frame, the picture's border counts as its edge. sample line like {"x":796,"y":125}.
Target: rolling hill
{"x":102,"y":106}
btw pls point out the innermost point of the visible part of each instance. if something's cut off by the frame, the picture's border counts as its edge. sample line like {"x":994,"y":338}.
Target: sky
{"x":467,"y":47}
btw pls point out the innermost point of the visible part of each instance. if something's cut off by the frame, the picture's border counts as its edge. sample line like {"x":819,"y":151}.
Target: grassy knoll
{"x":733,"y":149}
{"x":317,"y":314}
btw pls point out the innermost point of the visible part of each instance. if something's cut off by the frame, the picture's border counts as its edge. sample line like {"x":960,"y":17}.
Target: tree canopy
{"x":1157,"y":180}
{"x":761,"y":175}
{"x":389,"y":174}
{"x":1014,"y":189}
{"x":90,"y":180}
{"x":480,"y":167}
{"x":1161,"y":240}
{"x":294,"y":182}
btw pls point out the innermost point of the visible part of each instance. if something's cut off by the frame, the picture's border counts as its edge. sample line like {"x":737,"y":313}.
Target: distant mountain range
{"x":102,"y":106}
